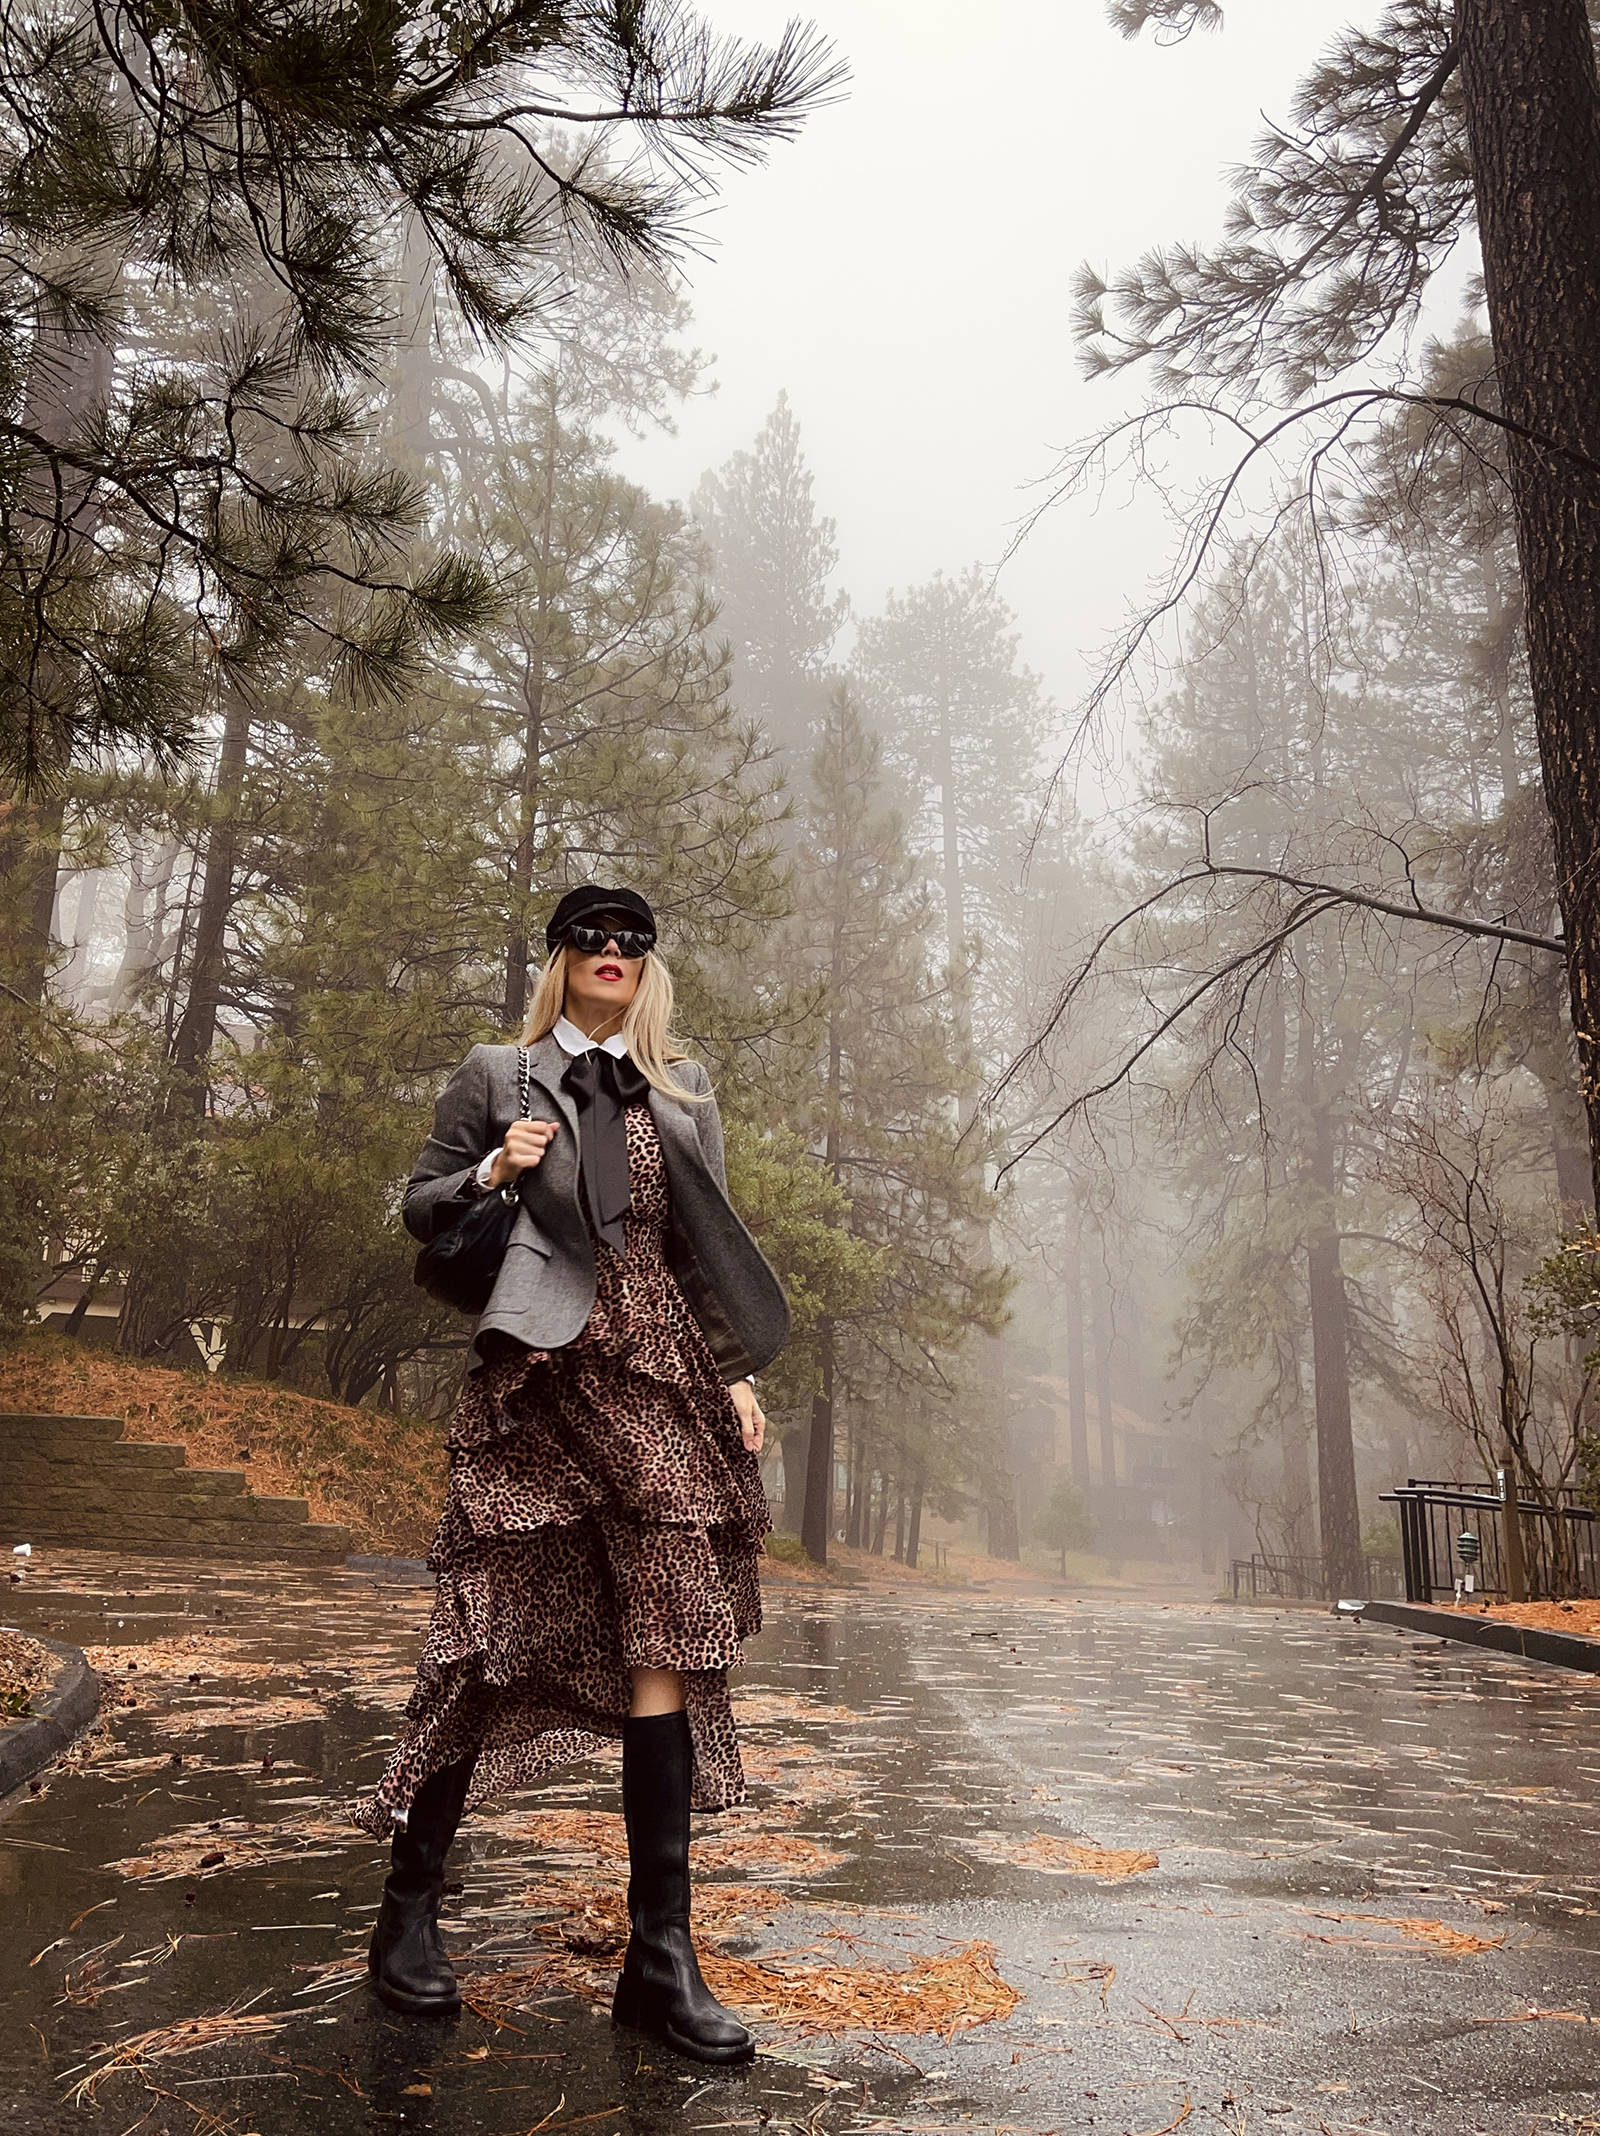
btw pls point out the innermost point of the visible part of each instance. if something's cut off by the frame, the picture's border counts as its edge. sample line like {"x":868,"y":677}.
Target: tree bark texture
{"x":817,"y":1522}
{"x":198,"y":1028}
{"x":30,"y":858}
{"x":1533,"y":123}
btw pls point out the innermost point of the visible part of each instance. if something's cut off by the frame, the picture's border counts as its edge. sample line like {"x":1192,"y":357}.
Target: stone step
{"x":222,"y":1483}
{"x":285,"y":1509}
{"x":76,"y":1481}
{"x":21,"y":1424}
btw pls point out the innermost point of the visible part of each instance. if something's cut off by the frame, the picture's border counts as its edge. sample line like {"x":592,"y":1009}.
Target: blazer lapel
{"x":680,"y":1145}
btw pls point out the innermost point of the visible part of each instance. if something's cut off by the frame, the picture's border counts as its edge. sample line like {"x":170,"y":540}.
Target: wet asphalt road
{"x":1375,"y":1904}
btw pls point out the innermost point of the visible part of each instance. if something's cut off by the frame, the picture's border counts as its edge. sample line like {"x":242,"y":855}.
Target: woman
{"x":597,"y":1556}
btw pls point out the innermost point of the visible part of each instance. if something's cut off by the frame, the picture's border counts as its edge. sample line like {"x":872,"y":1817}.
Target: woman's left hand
{"x":752,"y":1417}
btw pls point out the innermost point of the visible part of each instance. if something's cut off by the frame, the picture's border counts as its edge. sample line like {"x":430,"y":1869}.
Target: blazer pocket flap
{"x":525,"y":1232}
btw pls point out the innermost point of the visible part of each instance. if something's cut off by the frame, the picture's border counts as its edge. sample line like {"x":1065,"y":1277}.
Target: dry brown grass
{"x":382,"y":1476}
{"x":25,"y":1666}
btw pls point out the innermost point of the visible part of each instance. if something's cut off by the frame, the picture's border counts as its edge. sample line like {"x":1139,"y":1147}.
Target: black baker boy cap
{"x":590,"y":900}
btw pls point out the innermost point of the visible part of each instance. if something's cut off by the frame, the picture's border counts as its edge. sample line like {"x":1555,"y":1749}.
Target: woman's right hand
{"x":525,"y":1144}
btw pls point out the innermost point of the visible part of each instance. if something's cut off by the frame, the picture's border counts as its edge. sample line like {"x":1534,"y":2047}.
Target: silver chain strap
{"x":508,"y":1193}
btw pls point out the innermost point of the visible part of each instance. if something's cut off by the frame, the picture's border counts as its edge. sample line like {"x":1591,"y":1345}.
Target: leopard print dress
{"x":602,"y":1515}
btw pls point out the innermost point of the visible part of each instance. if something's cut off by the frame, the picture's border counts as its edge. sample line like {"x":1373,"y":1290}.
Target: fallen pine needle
{"x":1531,"y":2017}
{"x":1177,"y":2121}
{"x":165,"y":2043}
{"x":1434,"y":1935}
{"x":947,"y":1994}
{"x":1064,"y":1857}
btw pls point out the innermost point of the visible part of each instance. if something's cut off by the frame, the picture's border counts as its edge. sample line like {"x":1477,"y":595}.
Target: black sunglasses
{"x":592,"y":940}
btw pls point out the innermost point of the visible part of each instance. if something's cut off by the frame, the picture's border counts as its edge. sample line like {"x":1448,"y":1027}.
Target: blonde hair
{"x":646,"y":1022}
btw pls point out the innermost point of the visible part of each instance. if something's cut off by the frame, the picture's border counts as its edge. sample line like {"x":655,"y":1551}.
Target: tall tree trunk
{"x":857,"y":1475}
{"x":900,"y":1522}
{"x":1497,"y":646}
{"x":1548,"y":1052}
{"x":518,"y":944}
{"x":1005,"y":1530}
{"x":1337,"y":1506}
{"x":1005,"y":1539}
{"x":197,"y":1030}
{"x":793,"y":1454}
{"x":881,"y":1523}
{"x":1077,"y":1372}
{"x":73,"y":981}
{"x":1102,"y":1384}
{"x":1299,"y":1540}
{"x":914,"y":1532}
{"x":817,"y":1523}
{"x":30,"y":858}
{"x":1533,"y":123}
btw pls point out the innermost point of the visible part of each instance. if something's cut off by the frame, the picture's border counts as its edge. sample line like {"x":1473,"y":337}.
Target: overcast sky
{"x":904,"y":271}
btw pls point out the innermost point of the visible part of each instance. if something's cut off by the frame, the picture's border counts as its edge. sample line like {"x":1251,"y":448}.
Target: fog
{"x":1129,"y":938}
{"x":903,"y":271}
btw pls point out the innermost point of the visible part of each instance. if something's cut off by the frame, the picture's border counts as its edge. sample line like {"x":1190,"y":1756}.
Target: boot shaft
{"x":420,"y":1847}
{"x":657,"y":1769}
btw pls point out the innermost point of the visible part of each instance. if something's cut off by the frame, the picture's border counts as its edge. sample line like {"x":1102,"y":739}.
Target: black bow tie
{"x":601,"y":1084}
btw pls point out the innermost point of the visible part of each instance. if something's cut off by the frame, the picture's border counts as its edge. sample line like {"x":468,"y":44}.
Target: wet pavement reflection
{"x":1224,"y":1869}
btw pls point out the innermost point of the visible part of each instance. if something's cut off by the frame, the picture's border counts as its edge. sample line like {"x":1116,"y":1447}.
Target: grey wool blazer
{"x":546,"y":1287}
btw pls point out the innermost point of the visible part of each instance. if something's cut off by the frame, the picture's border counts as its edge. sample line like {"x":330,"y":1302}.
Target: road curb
{"x":60,"y":1715}
{"x":1565,"y":1650}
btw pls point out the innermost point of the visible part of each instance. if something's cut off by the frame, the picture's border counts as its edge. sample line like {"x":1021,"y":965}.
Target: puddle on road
{"x":1354,"y":1872}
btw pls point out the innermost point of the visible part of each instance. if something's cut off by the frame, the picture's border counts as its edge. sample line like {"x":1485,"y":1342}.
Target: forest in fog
{"x":1162,"y":1175}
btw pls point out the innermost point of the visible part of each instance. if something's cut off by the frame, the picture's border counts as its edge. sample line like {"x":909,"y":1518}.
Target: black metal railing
{"x":1560,"y":1547}
{"x":1266,"y":1578}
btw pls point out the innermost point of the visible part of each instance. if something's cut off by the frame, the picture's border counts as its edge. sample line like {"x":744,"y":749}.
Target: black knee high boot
{"x":410,"y":1968}
{"x":661,"y":1991}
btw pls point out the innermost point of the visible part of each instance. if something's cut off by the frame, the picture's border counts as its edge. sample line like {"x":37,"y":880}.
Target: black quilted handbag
{"x":459,"y":1267}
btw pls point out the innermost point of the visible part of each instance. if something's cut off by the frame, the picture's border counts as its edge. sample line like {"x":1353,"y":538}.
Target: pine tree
{"x":1486,"y":112}
{"x":200,"y":217}
{"x":1063,"y":1522}
{"x":962,"y":723}
{"x":888,"y":1054}
{"x":771,"y":560}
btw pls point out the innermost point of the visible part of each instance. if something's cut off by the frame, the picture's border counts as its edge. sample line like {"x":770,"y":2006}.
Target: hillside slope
{"x":383,"y":1476}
